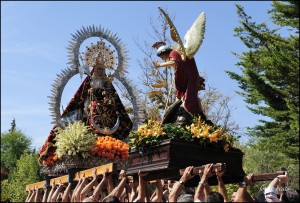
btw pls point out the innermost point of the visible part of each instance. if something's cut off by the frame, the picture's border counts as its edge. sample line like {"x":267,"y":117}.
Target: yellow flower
{"x":152,"y":128}
{"x":228,"y":136}
{"x":214,"y":137}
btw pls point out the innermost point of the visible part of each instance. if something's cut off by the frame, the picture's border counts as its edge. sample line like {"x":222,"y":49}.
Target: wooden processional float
{"x":97,"y":104}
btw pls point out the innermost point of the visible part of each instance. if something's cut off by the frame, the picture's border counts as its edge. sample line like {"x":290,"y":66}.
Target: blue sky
{"x":34,"y":37}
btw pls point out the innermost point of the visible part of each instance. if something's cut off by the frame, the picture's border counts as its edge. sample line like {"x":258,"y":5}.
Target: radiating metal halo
{"x":73,"y":60}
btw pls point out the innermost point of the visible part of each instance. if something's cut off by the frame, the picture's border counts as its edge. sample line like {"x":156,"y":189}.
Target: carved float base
{"x":165,"y":160}
{"x":61,"y":167}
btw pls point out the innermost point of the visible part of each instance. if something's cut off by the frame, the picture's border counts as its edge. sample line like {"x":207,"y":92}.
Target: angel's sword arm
{"x":170,"y":63}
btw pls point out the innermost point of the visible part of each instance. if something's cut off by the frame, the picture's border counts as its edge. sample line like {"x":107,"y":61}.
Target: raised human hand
{"x":78,"y":176}
{"x":248,"y":179}
{"x":142,"y":174}
{"x":156,"y":63}
{"x":59,"y":183}
{"x":45,"y":188}
{"x":94,"y":172}
{"x":201,"y":172}
{"x":283,"y":178}
{"x":123,"y":174}
{"x":106,"y":174}
{"x":207,"y":171}
{"x":187,"y":174}
{"x":53,"y":184}
{"x":218,"y":173}
{"x":83,"y":176}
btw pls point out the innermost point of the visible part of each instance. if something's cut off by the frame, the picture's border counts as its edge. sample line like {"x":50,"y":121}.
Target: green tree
{"x":261,"y":158}
{"x":13,"y":125}
{"x":269,"y":77}
{"x":4,"y":190}
{"x":13,"y":145}
{"x":269,"y":81}
{"x":26,"y":172}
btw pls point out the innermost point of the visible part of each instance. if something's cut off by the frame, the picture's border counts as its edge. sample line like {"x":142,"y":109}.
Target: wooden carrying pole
{"x":39,"y":185}
{"x":65,"y":179}
{"x":266,"y":176}
{"x":100,"y":170}
{"x":220,"y":166}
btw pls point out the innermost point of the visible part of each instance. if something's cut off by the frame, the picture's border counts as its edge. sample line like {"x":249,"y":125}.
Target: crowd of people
{"x":128,"y":189}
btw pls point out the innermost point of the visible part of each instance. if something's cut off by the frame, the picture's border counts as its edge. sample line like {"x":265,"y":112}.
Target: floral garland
{"x":153,"y":133}
{"x":109,"y":147}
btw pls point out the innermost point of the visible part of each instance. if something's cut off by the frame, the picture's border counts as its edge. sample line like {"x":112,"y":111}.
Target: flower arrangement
{"x":75,"y":139}
{"x":147,"y":135}
{"x":112,"y":148}
{"x":209,"y":134}
{"x":153,"y":133}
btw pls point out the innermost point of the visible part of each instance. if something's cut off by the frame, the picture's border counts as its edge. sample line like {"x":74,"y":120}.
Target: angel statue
{"x":187,"y":79}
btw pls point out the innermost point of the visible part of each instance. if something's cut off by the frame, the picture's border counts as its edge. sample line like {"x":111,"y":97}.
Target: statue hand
{"x":156,"y":64}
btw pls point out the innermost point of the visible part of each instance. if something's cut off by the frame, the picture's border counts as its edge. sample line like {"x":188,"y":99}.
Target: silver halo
{"x":73,"y":60}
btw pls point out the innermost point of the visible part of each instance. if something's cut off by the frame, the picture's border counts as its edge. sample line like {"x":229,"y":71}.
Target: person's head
{"x":164,"y":55}
{"x":189,"y":190}
{"x":214,"y":197}
{"x":112,"y":199}
{"x":261,"y":197}
{"x":290,"y":196}
{"x":233,"y":195}
{"x":163,"y":50}
{"x":59,"y":198}
{"x":88,"y":199}
{"x":185,"y":198}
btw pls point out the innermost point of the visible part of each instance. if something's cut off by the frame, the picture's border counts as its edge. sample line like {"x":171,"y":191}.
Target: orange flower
{"x":110,"y":147}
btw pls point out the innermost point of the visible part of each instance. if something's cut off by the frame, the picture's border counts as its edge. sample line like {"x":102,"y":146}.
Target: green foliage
{"x":286,"y":13}
{"x":177,"y":133}
{"x":5,"y":190}
{"x":13,"y":145}
{"x":13,"y":125}
{"x":230,"y":189}
{"x":270,"y":75}
{"x":75,"y":139}
{"x":26,"y":172}
{"x":262,"y":156}
{"x":147,"y":143}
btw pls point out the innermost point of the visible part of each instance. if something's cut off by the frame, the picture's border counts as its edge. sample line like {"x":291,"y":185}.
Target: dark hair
{"x":291,"y":196}
{"x":185,"y":198}
{"x":112,"y":199}
{"x":214,"y":197}
{"x":261,"y":197}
